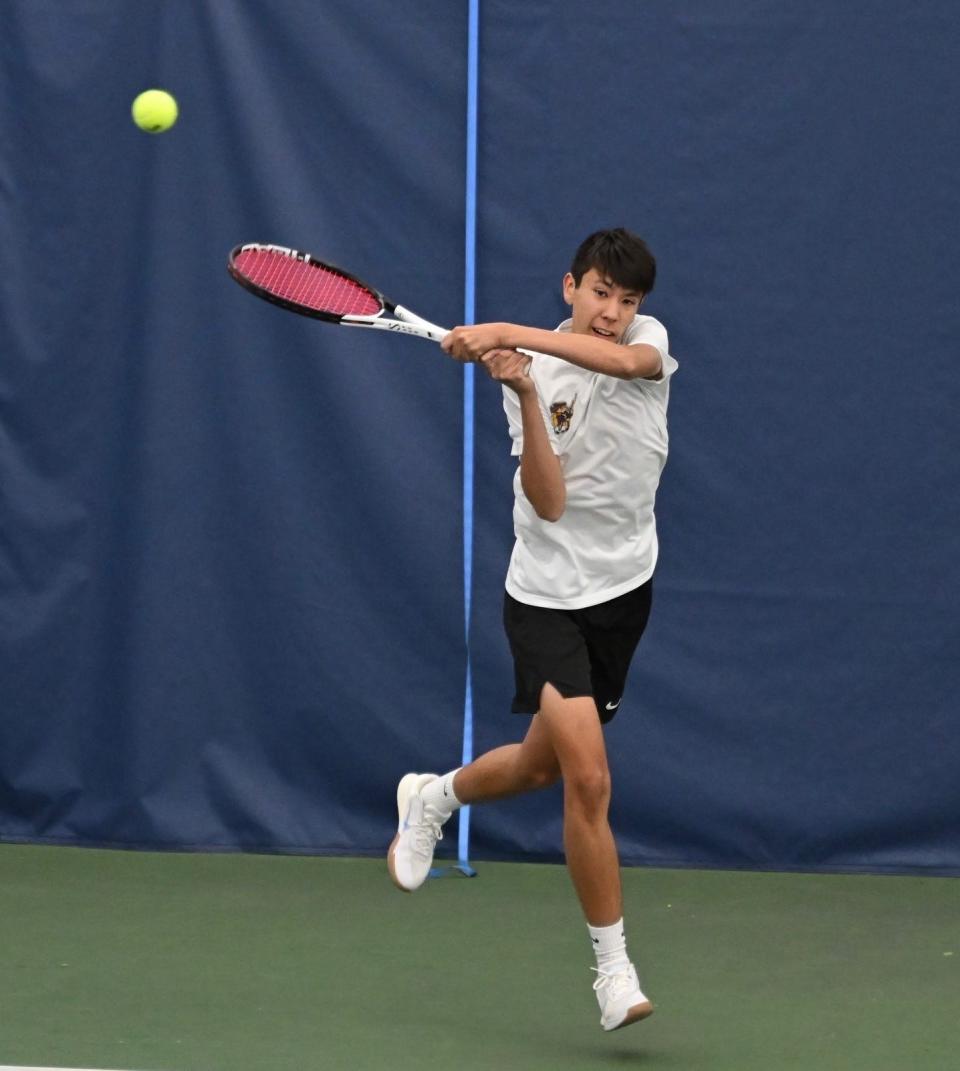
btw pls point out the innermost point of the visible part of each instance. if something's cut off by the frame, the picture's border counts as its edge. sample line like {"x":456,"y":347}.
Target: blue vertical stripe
{"x":469,"y":310}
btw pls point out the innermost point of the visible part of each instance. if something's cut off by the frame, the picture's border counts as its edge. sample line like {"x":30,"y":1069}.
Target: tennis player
{"x":587,"y":415}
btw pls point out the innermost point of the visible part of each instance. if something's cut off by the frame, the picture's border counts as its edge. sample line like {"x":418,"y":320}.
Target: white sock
{"x":439,"y":795}
{"x":609,"y":946}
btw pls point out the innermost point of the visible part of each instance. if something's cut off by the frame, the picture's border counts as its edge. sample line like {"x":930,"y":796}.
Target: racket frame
{"x":391,"y":317}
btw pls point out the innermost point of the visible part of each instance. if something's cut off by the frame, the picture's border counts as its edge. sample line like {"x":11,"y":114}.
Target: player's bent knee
{"x":543,"y":776}
{"x":538,"y":772}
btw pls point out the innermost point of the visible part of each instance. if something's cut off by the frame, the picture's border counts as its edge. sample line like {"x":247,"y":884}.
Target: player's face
{"x":600,"y":307}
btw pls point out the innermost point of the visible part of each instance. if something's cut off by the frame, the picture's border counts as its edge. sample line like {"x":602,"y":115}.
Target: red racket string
{"x":311,"y":285}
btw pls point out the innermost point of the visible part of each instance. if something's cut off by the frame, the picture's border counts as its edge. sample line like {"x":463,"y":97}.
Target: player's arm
{"x":540,"y":473}
{"x":639,"y":361}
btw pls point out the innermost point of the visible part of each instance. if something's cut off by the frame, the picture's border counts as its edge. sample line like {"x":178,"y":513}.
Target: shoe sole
{"x":634,"y":1015}
{"x":408,"y":784}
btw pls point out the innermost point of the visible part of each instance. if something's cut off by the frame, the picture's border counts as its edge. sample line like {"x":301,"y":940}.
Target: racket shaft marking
{"x":406,"y":323}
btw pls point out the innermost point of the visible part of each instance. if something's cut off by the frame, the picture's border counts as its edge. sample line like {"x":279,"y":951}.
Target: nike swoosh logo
{"x":613,"y":706}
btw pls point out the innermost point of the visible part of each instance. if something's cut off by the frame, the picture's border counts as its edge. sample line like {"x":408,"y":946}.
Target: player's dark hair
{"x":620,"y":256}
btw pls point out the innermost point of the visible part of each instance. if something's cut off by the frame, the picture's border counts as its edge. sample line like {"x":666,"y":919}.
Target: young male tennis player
{"x":587,"y":414}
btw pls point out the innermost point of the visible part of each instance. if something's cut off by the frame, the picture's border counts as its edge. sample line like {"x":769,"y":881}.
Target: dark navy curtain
{"x":231,"y":610}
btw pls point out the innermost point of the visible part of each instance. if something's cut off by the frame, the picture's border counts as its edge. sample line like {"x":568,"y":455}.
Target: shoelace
{"x":425,"y":836}
{"x":613,"y":981}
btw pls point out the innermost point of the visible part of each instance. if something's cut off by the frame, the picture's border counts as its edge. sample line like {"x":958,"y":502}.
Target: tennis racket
{"x":301,"y":283}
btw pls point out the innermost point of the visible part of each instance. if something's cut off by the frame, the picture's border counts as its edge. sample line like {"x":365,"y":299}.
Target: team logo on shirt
{"x":561,"y":413}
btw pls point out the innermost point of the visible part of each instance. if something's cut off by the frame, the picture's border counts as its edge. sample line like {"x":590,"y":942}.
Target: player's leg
{"x":425,"y":801}
{"x":577,"y":739}
{"x":511,"y":769}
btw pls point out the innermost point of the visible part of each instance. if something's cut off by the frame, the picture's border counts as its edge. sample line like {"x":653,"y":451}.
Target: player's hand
{"x":471,"y":343}
{"x":511,"y":368}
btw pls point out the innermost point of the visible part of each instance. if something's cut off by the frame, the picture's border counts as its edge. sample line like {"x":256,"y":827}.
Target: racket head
{"x":301,"y":283}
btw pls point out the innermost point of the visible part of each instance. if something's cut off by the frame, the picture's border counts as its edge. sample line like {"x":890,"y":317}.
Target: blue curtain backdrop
{"x":231,"y":609}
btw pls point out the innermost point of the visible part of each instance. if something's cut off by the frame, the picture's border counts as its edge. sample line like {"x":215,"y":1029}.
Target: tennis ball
{"x":154,"y":110}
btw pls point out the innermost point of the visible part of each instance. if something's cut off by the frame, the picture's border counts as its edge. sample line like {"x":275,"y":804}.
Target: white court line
{"x":17,"y":1067}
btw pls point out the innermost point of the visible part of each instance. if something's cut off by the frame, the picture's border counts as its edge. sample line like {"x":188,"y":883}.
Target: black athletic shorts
{"x":579,"y":652}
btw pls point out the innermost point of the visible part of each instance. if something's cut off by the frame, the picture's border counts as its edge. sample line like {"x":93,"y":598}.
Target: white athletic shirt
{"x":611,"y":437}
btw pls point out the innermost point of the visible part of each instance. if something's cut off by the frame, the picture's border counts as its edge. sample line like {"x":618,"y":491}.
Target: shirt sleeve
{"x":650,"y":332}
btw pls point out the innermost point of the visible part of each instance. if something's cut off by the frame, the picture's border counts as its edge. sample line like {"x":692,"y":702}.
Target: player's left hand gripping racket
{"x":303,"y":284}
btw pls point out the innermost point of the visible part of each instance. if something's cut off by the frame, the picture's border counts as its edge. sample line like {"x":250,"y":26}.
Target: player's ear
{"x":569,"y":285}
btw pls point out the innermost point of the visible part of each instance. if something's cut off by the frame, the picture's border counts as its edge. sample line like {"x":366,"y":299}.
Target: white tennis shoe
{"x":620,"y":997}
{"x":411,"y":853}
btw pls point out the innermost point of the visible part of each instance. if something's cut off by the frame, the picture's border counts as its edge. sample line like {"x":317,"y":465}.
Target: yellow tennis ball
{"x":154,"y":110}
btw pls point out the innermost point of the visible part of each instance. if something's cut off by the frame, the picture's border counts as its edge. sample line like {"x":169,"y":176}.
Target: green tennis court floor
{"x":265,"y":963}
